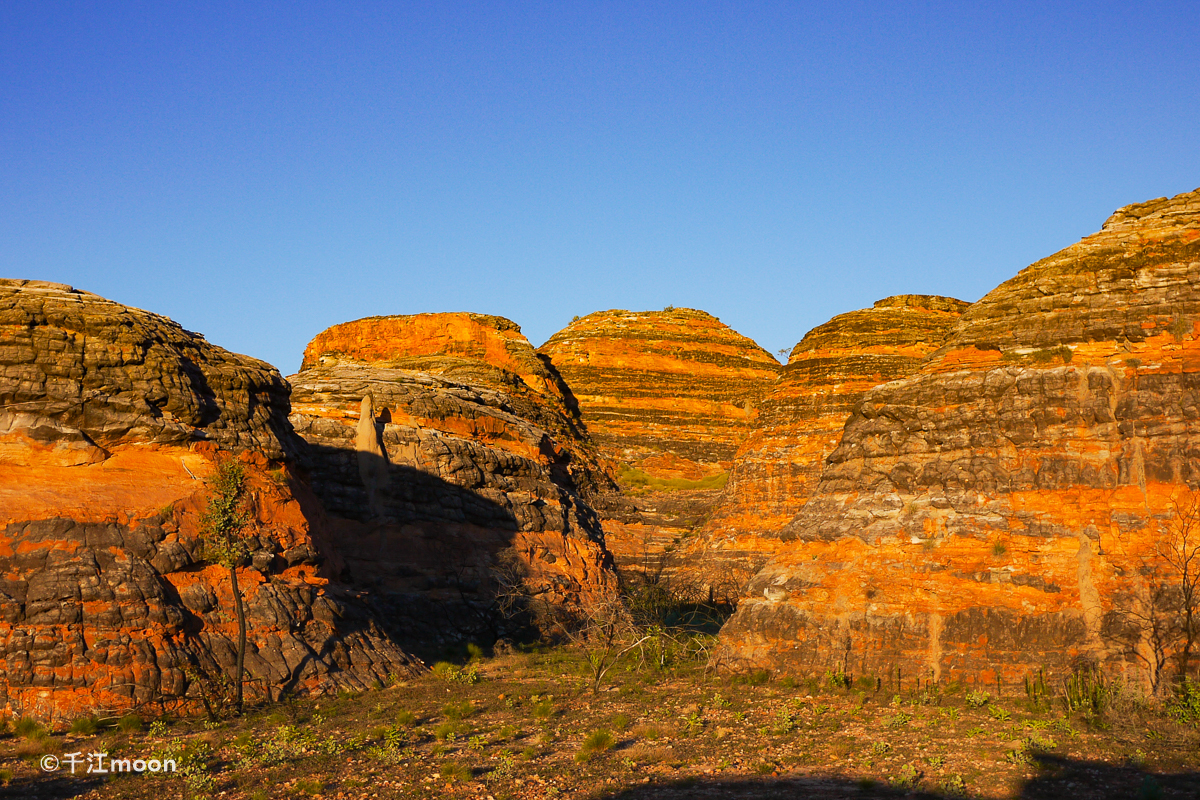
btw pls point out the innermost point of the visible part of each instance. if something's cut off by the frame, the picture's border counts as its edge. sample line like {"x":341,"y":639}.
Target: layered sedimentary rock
{"x":112,"y":418}
{"x":675,"y":383}
{"x":453,"y":463}
{"x":668,"y":396}
{"x":800,"y":423}
{"x":1007,"y":507}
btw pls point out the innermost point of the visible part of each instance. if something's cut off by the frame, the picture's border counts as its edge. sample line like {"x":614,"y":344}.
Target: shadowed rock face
{"x":800,"y":423}
{"x":482,"y":460}
{"x":1003,"y":508}
{"x":112,"y":418}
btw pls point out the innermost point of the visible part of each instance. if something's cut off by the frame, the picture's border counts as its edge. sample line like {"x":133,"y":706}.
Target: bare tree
{"x":1160,"y":620}
{"x":1180,"y":551}
{"x":604,"y":631}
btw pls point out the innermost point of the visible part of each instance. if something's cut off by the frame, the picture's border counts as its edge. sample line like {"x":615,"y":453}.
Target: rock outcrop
{"x":800,"y":423}
{"x":112,"y":418}
{"x":1007,"y":507}
{"x":468,"y":477}
{"x":671,"y":393}
{"x":668,"y":396}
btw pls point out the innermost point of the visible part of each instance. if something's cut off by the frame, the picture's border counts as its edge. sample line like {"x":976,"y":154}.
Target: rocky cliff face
{"x":1008,"y":506}
{"x":667,"y":396}
{"x":453,"y":461}
{"x":111,"y":420}
{"x":800,"y":423}
{"x":672,"y":392}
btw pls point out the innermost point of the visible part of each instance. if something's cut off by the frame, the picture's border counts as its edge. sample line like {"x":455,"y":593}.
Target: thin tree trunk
{"x":241,"y":650}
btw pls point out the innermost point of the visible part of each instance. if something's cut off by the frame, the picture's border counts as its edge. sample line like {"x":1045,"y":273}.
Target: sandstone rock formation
{"x":483,"y":473}
{"x":667,"y":396}
{"x":111,"y":420}
{"x":1004,"y":508}
{"x":671,"y":392}
{"x":800,"y":423}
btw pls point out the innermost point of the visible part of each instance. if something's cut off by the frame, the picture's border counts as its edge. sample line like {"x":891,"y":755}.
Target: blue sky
{"x":259,"y":172}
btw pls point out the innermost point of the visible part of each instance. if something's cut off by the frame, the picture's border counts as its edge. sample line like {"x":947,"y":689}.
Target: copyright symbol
{"x":49,"y":763}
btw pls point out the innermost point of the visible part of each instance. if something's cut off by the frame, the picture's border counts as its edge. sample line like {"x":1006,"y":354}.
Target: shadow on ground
{"x":1058,"y":778}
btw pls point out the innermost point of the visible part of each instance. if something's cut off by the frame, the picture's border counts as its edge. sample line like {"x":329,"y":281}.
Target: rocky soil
{"x":523,"y":727}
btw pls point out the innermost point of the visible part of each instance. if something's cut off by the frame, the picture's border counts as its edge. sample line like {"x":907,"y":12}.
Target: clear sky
{"x":259,"y":171}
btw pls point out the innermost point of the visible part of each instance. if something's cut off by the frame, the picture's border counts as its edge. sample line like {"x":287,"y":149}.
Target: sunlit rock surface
{"x":112,"y":417}
{"x":484,"y":468}
{"x":800,"y":422}
{"x":1002,"y":509}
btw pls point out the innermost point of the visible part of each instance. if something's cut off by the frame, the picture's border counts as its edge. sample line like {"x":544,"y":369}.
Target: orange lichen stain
{"x":134,"y":482}
{"x":379,"y":339}
{"x":670,"y":466}
{"x":964,"y":358}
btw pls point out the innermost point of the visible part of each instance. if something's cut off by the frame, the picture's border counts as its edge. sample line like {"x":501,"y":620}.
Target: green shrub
{"x":1087,"y":690}
{"x":636,"y":478}
{"x":406,"y":718}
{"x":85,"y":725}
{"x":596,"y":742}
{"x":130,"y":723}
{"x":455,"y":772}
{"x":837,"y":679}
{"x":28,"y":728}
{"x":458,"y":710}
{"x":543,"y":709}
{"x":1185,"y":705}
{"x":908,"y":777}
{"x":977,"y":699}
{"x":447,"y":731}
{"x":452,"y":674}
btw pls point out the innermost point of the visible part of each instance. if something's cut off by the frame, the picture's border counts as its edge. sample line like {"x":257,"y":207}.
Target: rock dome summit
{"x":929,"y":487}
{"x":1005,"y":508}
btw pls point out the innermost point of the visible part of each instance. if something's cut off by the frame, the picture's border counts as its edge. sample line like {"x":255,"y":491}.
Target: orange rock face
{"x":475,"y":348}
{"x":673,"y":382}
{"x":800,"y":423}
{"x":667,"y":396}
{"x":111,"y":419}
{"x":485,"y":473}
{"x":1007,"y":507}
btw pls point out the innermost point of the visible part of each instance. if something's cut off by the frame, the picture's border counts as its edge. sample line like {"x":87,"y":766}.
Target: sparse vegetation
{"x":635,"y":478}
{"x":596,"y":742}
{"x":687,"y":725}
{"x":84,"y":726}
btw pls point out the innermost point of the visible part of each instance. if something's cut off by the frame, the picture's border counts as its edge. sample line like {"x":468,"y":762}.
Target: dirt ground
{"x":528,"y":726}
